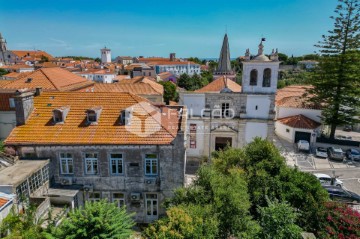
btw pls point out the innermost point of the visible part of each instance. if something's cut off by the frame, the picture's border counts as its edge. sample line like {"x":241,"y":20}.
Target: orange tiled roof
{"x":50,"y":79}
{"x":293,"y":90}
{"x":137,"y":89}
{"x":40,"y":129}
{"x":4,"y":82}
{"x":219,"y":84}
{"x":15,"y":75}
{"x":3,"y":201}
{"x":165,"y":75}
{"x":16,"y":66}
{"x":33,"y":54}
{"x":299,"y":122}
{"x":144,"y":80}
{"x":298,"y":102}
{"x":168,"y":62}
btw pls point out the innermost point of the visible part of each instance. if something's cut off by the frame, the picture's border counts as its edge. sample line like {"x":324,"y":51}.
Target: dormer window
{"x":125,"y":117}
{"x":93,"y":115}
{"x":59,"y":115}
{"x":28,"y":80}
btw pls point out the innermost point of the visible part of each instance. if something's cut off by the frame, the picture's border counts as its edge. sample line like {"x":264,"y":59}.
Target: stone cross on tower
{"x":261,"y":48}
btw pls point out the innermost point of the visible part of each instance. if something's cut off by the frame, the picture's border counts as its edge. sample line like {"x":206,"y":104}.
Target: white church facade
{"x":218,"y":119}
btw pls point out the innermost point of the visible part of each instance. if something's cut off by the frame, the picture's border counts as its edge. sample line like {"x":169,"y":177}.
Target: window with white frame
{"x":118,"y":199}
{"x":66,"y":163}
{"x":91,"y":163}
{"x":116,"y":163}
{"x":94,"y":196}
{"x":151,"y":205}
{"x":151,"y":165}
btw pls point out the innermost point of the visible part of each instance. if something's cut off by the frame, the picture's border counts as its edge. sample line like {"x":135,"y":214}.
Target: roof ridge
{"x":41,"y":69}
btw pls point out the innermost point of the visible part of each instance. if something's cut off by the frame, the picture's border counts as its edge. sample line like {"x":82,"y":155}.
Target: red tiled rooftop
{"x":299,"y":122}
{"x":220,"y":84}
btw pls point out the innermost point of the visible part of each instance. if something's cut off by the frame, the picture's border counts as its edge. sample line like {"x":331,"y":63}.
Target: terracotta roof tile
{"x":219,"y":84}
{"x":144,"y":80}
{"x":40,"y":129}
{"x":53,"y":79}
{"x":32,"y":54}
{"x":298,"y":102}
{"x":137,"y":89}
{"x":3,"y":201}
{"x":299,"y":122}
{"x":293,"y":90}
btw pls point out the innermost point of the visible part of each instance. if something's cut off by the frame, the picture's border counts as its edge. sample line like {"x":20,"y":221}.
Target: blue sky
{"x":158,"y":27}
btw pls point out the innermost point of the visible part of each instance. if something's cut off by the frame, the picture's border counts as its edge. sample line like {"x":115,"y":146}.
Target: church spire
{"x":224,"y":64}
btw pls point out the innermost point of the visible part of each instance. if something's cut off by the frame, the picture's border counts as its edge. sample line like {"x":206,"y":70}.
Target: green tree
{"x":207,"y":75}
{"x":277,"y":221}
{"x":212,"y":65}
{"x":283,"y":57}
{"x":195,"y":59}
{"x":98,"y":60}
{"x":44,"y":59}
{"x":3,"y":72}
{"x":185,"y":222}
{"x":227,"y":195}
{"x":169,"y":91}
{"x":314,"y":57}
{"x":192,"y":83}
{"x":184,"y":81}
{"x":336,"y":80}
{"x":23,"y":225}
{"x":269,"y":177}
{"x":97,"y":220}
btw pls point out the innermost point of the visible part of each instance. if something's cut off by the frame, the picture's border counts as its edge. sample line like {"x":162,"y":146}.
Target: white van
{"x":303,"y":145}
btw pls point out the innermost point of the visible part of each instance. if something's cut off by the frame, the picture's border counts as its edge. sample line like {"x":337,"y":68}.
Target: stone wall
{"x":171,"y":171}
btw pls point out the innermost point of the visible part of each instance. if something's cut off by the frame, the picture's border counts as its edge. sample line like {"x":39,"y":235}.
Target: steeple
{"x":224,"y":64}
{"x":2,"y":49}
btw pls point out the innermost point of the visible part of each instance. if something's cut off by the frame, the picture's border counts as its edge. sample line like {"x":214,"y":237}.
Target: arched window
{"x":267,"y":77}
{"x":253,"y":77}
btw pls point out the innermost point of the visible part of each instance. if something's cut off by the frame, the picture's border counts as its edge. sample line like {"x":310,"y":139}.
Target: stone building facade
{"x":225,"y":117}
{"x":105,"y":156}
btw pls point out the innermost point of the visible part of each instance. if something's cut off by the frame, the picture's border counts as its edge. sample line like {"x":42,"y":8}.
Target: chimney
{"x":172,"y":56}
{"x":38,"y":91}
{"x":24,"y":104}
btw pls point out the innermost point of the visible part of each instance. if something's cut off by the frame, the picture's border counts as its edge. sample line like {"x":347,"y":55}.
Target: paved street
{"x":348,"y":172}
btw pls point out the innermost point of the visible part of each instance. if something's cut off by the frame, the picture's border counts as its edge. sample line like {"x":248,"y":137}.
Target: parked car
{"x":321,"y":152}
{"x":353,"y":154}
{"x":342,"y":195}
{"x":335,"y":153}
{"x":347,"y":128}
{"x":303,"y":145}
{"x":326,"y":180}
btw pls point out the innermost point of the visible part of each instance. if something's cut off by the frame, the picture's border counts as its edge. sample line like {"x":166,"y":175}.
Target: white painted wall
{"x":253,"y":129}
{"x":286,"y":111}
{"x":280,"y":130}
{"x":195,"y":103}
{"x":105,"y":55}
{"x":258,"y":106}
{"x":7,"y":123}
{"x":260,"y":67}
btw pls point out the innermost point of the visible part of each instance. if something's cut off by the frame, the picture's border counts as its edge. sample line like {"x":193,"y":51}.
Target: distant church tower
{"x":224,"y":63}
{"x":105,"y":55}
{"x":260,"y":74}
{"x":3,"y":50}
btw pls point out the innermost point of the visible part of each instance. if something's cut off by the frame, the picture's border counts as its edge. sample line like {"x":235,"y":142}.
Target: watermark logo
{"x":142,"y":119}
